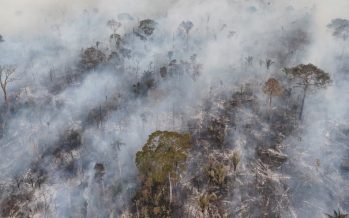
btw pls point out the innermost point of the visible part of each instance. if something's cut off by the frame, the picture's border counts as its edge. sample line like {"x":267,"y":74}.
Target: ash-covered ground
{"x":174,"y":108}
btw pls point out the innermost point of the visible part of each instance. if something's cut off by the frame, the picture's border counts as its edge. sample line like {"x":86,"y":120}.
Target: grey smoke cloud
{"x":42,"y":35}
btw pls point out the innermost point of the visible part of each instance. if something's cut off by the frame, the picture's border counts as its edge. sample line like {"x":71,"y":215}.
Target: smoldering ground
{"x":63,"y":119}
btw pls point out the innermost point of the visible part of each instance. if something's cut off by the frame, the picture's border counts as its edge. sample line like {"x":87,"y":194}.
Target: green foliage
{"x":337,"y":214}
{"x":160,"y":162}
{"x":309,"y":75}
{"x":163,"y":154}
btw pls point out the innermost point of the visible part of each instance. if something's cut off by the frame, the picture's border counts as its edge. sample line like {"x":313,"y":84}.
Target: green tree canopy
{"x":163,"y":154}
{"x":308,"y":76}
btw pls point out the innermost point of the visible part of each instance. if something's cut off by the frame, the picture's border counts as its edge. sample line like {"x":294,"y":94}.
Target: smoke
{"x":46,"y":39}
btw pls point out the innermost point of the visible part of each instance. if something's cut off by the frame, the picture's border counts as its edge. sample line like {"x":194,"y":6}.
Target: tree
{"x":159,"y":164}
{"x":114,"y":26}
{"x":309,"y":77}
{"x":268,"y":63}
{"x":164,"y":153}
{"x":1,"y":38}
{"x":145,"y":29}
{"x":148,"y":26}
{"x":6,"y":77}
{"x":91,"y":58}
{"x":272,"y":88}
{"x":117,"y":39}
{"x":340,"y":28}
{"x":249,"y":60}
{"x":187,"y":26}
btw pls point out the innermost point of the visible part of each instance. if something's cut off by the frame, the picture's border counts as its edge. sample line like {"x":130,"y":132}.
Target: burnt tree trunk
{"x":169,"y":179}
{"x":5,"y":92}
{"x":303,"y":100}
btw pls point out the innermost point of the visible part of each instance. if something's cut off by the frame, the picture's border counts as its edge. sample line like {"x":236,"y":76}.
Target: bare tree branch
{"x":6,"y":77}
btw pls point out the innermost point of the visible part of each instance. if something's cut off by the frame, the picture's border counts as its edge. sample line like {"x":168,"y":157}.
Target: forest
{"x":174,"y":108}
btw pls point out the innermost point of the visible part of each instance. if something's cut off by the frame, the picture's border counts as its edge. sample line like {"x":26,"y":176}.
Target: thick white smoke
{"x":45,"y":36}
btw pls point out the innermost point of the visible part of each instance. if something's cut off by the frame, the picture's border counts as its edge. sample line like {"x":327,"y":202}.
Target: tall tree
{"x":6,"y":77}
{"x":187,"y":26}
{"x":272,"y":88}
{"x":309,"y":77}
{"x":114,"y":26}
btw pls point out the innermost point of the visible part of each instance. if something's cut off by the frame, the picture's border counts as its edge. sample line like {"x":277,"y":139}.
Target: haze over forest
{"x":174,"y":108}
